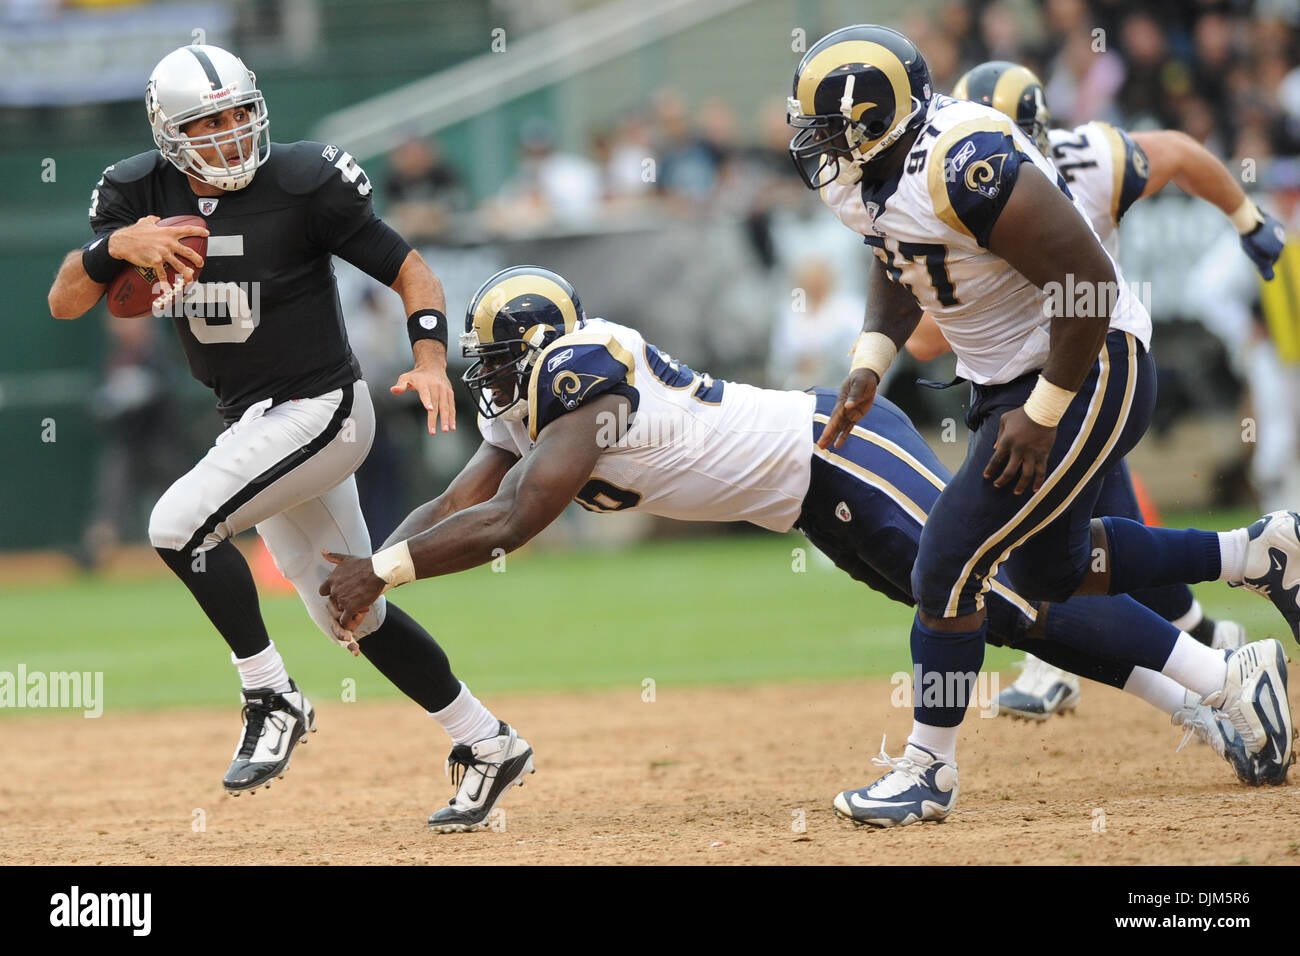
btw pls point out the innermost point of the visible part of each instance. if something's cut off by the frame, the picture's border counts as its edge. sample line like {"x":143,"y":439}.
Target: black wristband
{"x":98,"y":263}
{"x":427,"y":324}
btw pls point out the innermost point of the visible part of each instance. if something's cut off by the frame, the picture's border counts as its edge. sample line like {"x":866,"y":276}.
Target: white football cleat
{"x":1254,"y":700}
{"x":1040,"y":691}
{"x":273,"y":725}
{"x":1228,"y":636}
{"x":919,"y":786}
{"x":1210,"y":727}
{"x":485,"y":770}
{"x":1273,"y":564}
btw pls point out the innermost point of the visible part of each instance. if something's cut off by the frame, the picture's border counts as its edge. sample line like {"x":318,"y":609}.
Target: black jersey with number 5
{"x":265,"y":320}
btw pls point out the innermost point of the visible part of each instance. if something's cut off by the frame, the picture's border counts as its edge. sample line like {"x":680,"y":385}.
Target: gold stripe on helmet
{"x":961,"y":90}
{"x":499,"y":296}
{"x":856,"y":51}
{"x":1011,"y":85}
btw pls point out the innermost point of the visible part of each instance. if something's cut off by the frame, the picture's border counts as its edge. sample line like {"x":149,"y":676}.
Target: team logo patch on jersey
{"x":330,"y":152}
{"x":208,"y":206}
{"x":843,"y":513}
{"x":558,"y":359}
{"x":985,"y":176}
{"x":570,"y":387}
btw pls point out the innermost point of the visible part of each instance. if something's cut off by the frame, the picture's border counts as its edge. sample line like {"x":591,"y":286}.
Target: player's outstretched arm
{"x":531,"y":496}
{"x":421,"y":291}
{"x":892,"y":314}
{"x":144,"y":244}
{"x":1175,"y":157}
{"x":1041,"y":234}
{"x":477,"y":482}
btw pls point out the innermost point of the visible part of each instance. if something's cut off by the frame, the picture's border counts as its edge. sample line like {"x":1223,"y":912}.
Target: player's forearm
{"x":73,"y":292}
{"x":1176,"y":157}
{"x":1203,"y":176}
{"x":1076,"y":343}
{"x":891,"y":309}
{"x":421,"y":519}
{"x":420,"y":289}
{"x":468,"y":538}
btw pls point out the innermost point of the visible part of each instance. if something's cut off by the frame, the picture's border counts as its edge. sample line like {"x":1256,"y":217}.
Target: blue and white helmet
{"x":198,"y":81}
{"x":510,"y":321}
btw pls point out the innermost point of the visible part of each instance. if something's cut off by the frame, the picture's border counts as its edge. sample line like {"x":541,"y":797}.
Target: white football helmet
{"x":197,"y":81}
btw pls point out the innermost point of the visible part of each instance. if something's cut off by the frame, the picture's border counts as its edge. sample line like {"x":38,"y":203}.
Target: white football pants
{"x":286,"y":470}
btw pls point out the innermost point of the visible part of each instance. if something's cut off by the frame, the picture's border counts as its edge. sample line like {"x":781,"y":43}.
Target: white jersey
{"x":1106,"y":172}
{"x":696,"y":449}
{"x":930,"y":225}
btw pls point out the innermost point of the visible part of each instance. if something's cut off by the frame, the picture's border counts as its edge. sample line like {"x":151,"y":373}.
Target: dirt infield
{"x":701,"y":775}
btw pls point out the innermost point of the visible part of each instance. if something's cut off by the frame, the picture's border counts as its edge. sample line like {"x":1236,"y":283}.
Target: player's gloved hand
{"x":856,"y":397}
{"x":1021,"y":449}
{"x":1264,"y":244}
{"x":151,"y":246}
{"x":352,"y":587}
{"x":435,"y":392}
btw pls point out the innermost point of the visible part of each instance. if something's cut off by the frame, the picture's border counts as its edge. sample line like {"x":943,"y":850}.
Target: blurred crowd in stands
{"x":1224,"y":71}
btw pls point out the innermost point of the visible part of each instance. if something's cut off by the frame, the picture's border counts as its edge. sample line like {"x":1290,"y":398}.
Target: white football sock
{"x":1195,"y":615}
{"x":1232,"y":554}
{"x":1195,"y":666}
{"x":263,"y":669}
{"x":940,"y":741}
{"x":1161,"y":692}
{"x":465,"y":719}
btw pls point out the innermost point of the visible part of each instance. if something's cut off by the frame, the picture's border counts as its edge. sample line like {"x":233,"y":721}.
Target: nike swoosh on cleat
{"x":278,"y":742}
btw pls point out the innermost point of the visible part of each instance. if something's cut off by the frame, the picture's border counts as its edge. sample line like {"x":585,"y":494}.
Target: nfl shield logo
{"x":842,"y":512}
{"x":207,"y":206}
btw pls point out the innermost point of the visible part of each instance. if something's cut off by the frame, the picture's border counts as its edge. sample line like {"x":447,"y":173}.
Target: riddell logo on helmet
{"x":218,"y":94}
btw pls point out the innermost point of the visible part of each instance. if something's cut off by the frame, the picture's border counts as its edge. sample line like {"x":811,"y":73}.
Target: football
{"x":133,"y":294}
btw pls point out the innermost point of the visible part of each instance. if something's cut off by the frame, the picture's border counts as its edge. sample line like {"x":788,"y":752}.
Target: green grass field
{"x":719,"y":610}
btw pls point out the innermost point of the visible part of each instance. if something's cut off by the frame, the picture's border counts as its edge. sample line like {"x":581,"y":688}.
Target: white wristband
{"x":873,"y":350}
{"x":1047,"y":403}
{"x":394,"y":564}
{"x":1246,"y":217}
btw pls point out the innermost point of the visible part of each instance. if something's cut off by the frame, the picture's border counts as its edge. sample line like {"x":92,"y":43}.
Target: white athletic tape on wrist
{"x":1047,"y":403}
{"x":1246,"y":217}
{"x":394,"y":564}
{"x":873,"y":350}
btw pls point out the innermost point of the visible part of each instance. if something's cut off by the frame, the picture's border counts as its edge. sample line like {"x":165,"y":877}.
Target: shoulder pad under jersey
{"x":1129,"y":168}
{"x":304,"y":167}
{"x":573,"y":369}
{"x":135,"y":168}
{"x":972,"y":169}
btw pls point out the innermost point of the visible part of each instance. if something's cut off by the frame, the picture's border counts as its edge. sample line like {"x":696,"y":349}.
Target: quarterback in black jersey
{"x":264,"y":330}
